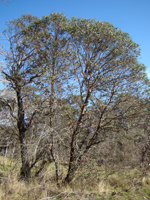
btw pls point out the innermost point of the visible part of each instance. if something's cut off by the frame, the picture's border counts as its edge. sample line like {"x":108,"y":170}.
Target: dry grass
{"x":89,"y":184}
{"x":104,"y":188}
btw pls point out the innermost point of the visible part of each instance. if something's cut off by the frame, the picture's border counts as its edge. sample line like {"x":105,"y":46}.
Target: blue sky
{"x":132,"y":16}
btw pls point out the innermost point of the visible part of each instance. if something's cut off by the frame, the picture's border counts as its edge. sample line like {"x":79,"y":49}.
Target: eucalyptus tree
{"x":52,"y":39}
{"x":22,"y":70}
{"x":104,"y":67}
{"x":35,"y":68}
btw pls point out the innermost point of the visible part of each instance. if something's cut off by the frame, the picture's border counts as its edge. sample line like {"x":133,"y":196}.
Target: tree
{"x":105,"y":67}
{"x":97,"y":65}
{"x":21,"y":71}
{"x":53,"y":52}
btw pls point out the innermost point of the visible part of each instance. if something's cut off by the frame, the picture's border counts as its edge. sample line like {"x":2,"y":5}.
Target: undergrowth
{"x":89,"y":183}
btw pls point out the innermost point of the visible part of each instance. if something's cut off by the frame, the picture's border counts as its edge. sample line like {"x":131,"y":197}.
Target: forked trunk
{"x":71,"y":172}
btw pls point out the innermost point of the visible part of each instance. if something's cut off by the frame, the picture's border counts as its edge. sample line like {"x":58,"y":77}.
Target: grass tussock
{"x":89,"y":183}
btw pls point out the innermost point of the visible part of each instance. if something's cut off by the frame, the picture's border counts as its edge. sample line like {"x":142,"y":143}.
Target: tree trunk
{"x":70,"y":175}
{"x":74,"y":159}
{"x":25,"y":169}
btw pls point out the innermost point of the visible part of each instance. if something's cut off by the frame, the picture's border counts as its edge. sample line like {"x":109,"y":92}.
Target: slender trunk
{"x":51,"y":121}
{"x":55,"y":161}
{"x":52,"y":92}
{"x":70,"y":175}
{"x":74,"y":160}
{"x":51,"y":103}
{"x":73,"y":167}
{"x":74,"y":164}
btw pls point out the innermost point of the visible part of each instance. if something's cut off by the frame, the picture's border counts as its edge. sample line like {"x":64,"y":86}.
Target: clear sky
{"x":132,"y":16}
